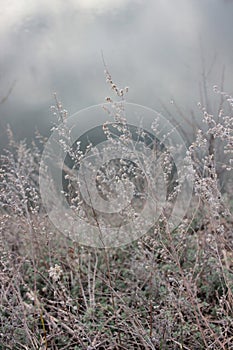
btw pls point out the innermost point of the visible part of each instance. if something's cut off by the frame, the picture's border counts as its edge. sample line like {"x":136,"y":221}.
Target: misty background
{"x":158,"y":48}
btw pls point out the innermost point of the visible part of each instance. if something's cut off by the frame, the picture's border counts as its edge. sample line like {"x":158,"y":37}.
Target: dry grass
{"x":172,"y":289}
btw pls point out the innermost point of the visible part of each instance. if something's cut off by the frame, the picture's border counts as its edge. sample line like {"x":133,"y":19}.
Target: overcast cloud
{"x":152,"y":46}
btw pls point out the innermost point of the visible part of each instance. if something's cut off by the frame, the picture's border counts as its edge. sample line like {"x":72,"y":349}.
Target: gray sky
{"x":152,"y":46}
